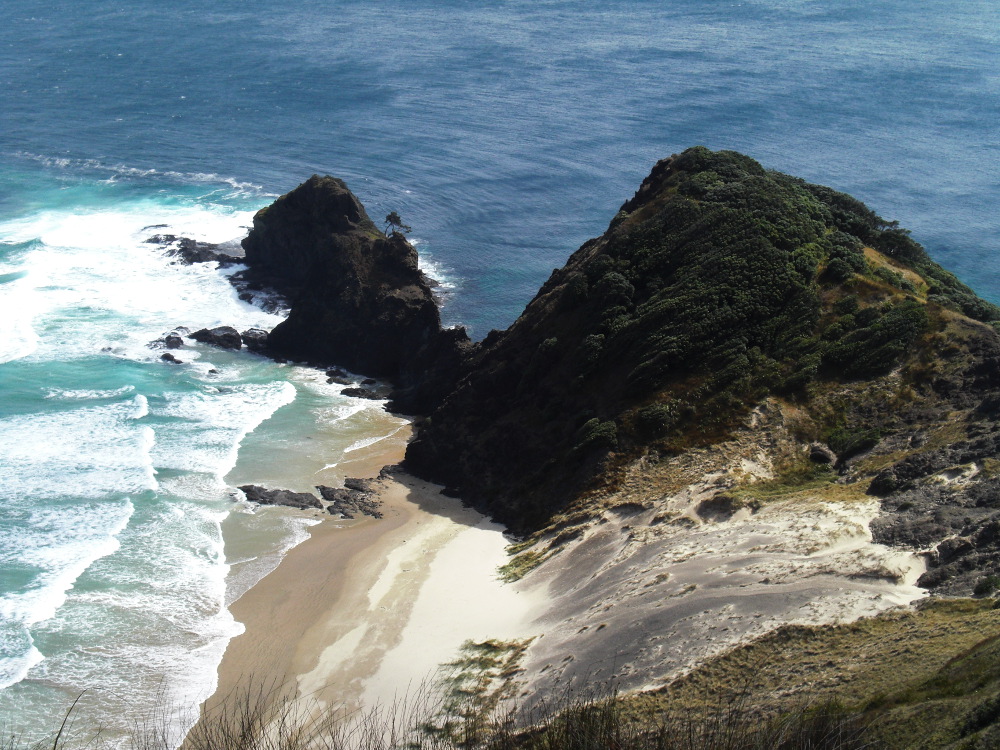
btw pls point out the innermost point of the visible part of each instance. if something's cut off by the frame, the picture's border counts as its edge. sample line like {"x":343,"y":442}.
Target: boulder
{"x":255,"y":339}
{"x":224,"y":337}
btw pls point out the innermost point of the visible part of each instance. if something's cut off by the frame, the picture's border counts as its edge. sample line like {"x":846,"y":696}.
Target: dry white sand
{"x":358,"y":615}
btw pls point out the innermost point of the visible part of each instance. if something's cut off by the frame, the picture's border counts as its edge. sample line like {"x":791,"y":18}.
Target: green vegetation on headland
{"x":720,"y":284}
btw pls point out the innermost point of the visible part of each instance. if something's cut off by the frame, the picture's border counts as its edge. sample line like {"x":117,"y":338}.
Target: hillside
{"x":720,"y":287}
{"x":751,"y":402}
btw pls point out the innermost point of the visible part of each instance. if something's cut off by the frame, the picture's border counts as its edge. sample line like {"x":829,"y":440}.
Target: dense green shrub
{"x":839,"y":271}
{"x":876,"y":347}
{"x":655,"y":420}
{"x":596,"y":434}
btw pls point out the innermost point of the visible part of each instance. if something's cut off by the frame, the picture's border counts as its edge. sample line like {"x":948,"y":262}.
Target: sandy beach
{"x":363,"y":612}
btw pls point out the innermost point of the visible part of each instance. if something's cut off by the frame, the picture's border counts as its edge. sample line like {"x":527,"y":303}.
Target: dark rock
{"x":173,"y":341}
{"x":190,"y":251}
{"x":255,"y":339}
{"x":362,"y":393}
{"x":335,"y":372}
{"x":224,"y":337}
{"x":168,"y":357}
{"x":357,"y":497}
{"x":246,"y":296}
{"x":358,"y":297}
{"x":389,"y":471}
{"x":369,"y":381}
{"x":360,"y":485}
{"x":339,"y":380}
{"x":884,"y":483}
{"x":264,"y":496}
{"x":821,"y":454}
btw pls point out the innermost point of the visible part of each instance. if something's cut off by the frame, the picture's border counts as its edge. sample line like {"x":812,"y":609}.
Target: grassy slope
{"x":926,"y":678}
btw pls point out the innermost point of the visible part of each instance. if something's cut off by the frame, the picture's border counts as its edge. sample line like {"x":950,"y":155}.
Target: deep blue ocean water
{"x":505,"y":134}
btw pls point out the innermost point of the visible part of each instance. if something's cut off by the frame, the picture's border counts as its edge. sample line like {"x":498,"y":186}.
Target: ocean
{"x":505,"y":134}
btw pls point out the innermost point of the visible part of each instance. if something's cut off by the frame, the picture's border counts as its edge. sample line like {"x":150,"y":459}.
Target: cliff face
{"x":358,"y":297}
{"x":721,"y":285}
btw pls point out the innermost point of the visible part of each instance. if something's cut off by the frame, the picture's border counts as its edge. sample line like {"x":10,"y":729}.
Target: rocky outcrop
{"x":358,"y":298}
{"x":255,"y":339}
{"x":263,"y":496}
{"x":173,"y":341}
{"x":357,"y":497}
{"x":718,"y":287}
{"x":189,"y":251}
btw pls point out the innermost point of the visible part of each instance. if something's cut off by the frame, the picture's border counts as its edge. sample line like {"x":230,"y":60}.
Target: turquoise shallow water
{"x":114,"y":481}
{"x":504,"y":135}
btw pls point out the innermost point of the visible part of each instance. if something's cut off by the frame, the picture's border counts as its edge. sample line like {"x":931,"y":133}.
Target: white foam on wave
{"x":343,"y":412}
{"x":156,"y":613}
{"x":87,"y":395}
{"x":293,"y":531}
{"x":94,"y":283}
{"x":17,"y":314}
{"x":446,"y":280}
{"x":60,"y":546}
{"x":129,"y":599}
{"x":365,"y":442}
{"x":93,"y":450}
{"x":119,"y":171}
{"x":207,"y":428}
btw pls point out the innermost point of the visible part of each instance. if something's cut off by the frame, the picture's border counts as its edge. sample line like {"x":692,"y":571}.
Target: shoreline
{"x":334,"y":624}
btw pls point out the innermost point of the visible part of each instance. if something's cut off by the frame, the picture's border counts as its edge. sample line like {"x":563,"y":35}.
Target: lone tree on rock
{"x":393,"y":224}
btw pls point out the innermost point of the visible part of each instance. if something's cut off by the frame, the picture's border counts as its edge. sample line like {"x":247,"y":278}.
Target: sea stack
{"x":358,"y":298}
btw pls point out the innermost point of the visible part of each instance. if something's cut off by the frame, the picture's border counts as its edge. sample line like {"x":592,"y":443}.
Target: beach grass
{"x":253,"y":720}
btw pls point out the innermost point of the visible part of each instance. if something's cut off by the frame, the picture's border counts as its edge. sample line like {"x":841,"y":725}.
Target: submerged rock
{"x":190,"y":251}
{"x":360,"y":392}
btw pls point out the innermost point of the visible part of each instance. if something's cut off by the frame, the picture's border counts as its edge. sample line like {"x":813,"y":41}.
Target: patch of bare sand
{"x":647,"y":595}
{"x":360,"y":615}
